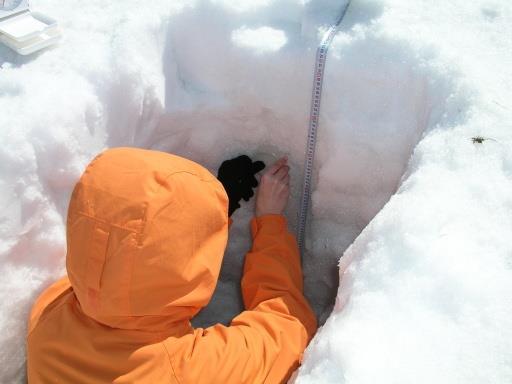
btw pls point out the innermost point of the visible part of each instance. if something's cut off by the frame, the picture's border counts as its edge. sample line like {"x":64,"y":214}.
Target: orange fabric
{"x":146,"y":234}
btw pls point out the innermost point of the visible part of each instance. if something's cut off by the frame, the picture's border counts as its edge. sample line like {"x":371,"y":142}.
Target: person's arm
{"x":273,"y":292}
{"x":264,"y":344}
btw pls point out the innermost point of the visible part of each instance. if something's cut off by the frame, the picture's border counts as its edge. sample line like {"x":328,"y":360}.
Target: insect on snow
{"x":480,"y":139}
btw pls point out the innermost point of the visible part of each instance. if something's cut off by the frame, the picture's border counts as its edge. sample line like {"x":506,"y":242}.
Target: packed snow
{"x":413,"y":173}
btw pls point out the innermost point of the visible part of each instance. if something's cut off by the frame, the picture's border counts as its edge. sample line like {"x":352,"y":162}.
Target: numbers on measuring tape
{"x":318,"y":76}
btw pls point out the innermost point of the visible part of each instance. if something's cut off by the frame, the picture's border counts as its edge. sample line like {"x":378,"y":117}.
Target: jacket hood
{"x":146,"y":234}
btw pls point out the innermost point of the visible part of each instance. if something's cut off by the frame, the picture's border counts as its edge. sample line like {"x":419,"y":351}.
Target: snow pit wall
{"x":241,"y":87}
{"x":245,"y":87}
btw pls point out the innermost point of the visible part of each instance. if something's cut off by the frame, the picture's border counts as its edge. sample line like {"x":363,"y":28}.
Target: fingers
{"x":282,"y":172}
{"x":257,"y":166}
{"x":277,"y":165}
{"x":247,"y":193}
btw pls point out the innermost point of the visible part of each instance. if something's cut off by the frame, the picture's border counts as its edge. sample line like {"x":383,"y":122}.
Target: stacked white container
{"x":25,"y":31}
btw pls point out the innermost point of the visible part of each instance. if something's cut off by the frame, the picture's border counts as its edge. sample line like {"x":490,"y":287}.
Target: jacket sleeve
{"x":264,"y":344}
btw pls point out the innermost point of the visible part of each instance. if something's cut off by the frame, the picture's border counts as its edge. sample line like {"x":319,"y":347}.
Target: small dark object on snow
{"x":237,"y":177}
{"x":478,"y":139}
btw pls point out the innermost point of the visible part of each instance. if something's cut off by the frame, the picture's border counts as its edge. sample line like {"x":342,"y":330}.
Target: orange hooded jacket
{"x":146,"y":234}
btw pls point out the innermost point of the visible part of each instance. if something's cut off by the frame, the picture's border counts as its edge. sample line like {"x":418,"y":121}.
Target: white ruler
{"x":318,"y":79}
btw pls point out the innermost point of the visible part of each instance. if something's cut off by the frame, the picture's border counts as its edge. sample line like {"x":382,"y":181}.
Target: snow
{"x":260,"y":40}
{"x":421,"y":214}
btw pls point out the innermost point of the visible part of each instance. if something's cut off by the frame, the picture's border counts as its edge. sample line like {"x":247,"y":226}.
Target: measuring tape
{"x":318,"y":79}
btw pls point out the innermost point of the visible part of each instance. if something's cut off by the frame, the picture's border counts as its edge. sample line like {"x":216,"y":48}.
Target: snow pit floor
{"x":426,"y":272}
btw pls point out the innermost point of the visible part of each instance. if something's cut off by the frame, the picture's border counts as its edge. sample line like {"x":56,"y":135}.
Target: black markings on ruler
{"x":321,"y":57}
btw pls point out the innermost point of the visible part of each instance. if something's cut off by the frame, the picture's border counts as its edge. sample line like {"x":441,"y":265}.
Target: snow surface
{"x":425,"y":294}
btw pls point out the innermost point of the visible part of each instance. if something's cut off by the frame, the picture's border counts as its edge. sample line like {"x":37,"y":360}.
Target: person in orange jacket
{"x":146,"y":233}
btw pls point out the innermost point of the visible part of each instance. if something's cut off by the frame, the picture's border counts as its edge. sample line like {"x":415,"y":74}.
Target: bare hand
{"x":274,"y":189}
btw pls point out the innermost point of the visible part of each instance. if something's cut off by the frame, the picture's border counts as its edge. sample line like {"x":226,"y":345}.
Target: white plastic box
{"x":25,"y":31}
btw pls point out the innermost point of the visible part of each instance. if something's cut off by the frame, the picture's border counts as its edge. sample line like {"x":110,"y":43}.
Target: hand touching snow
{"x":274,"y":189}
